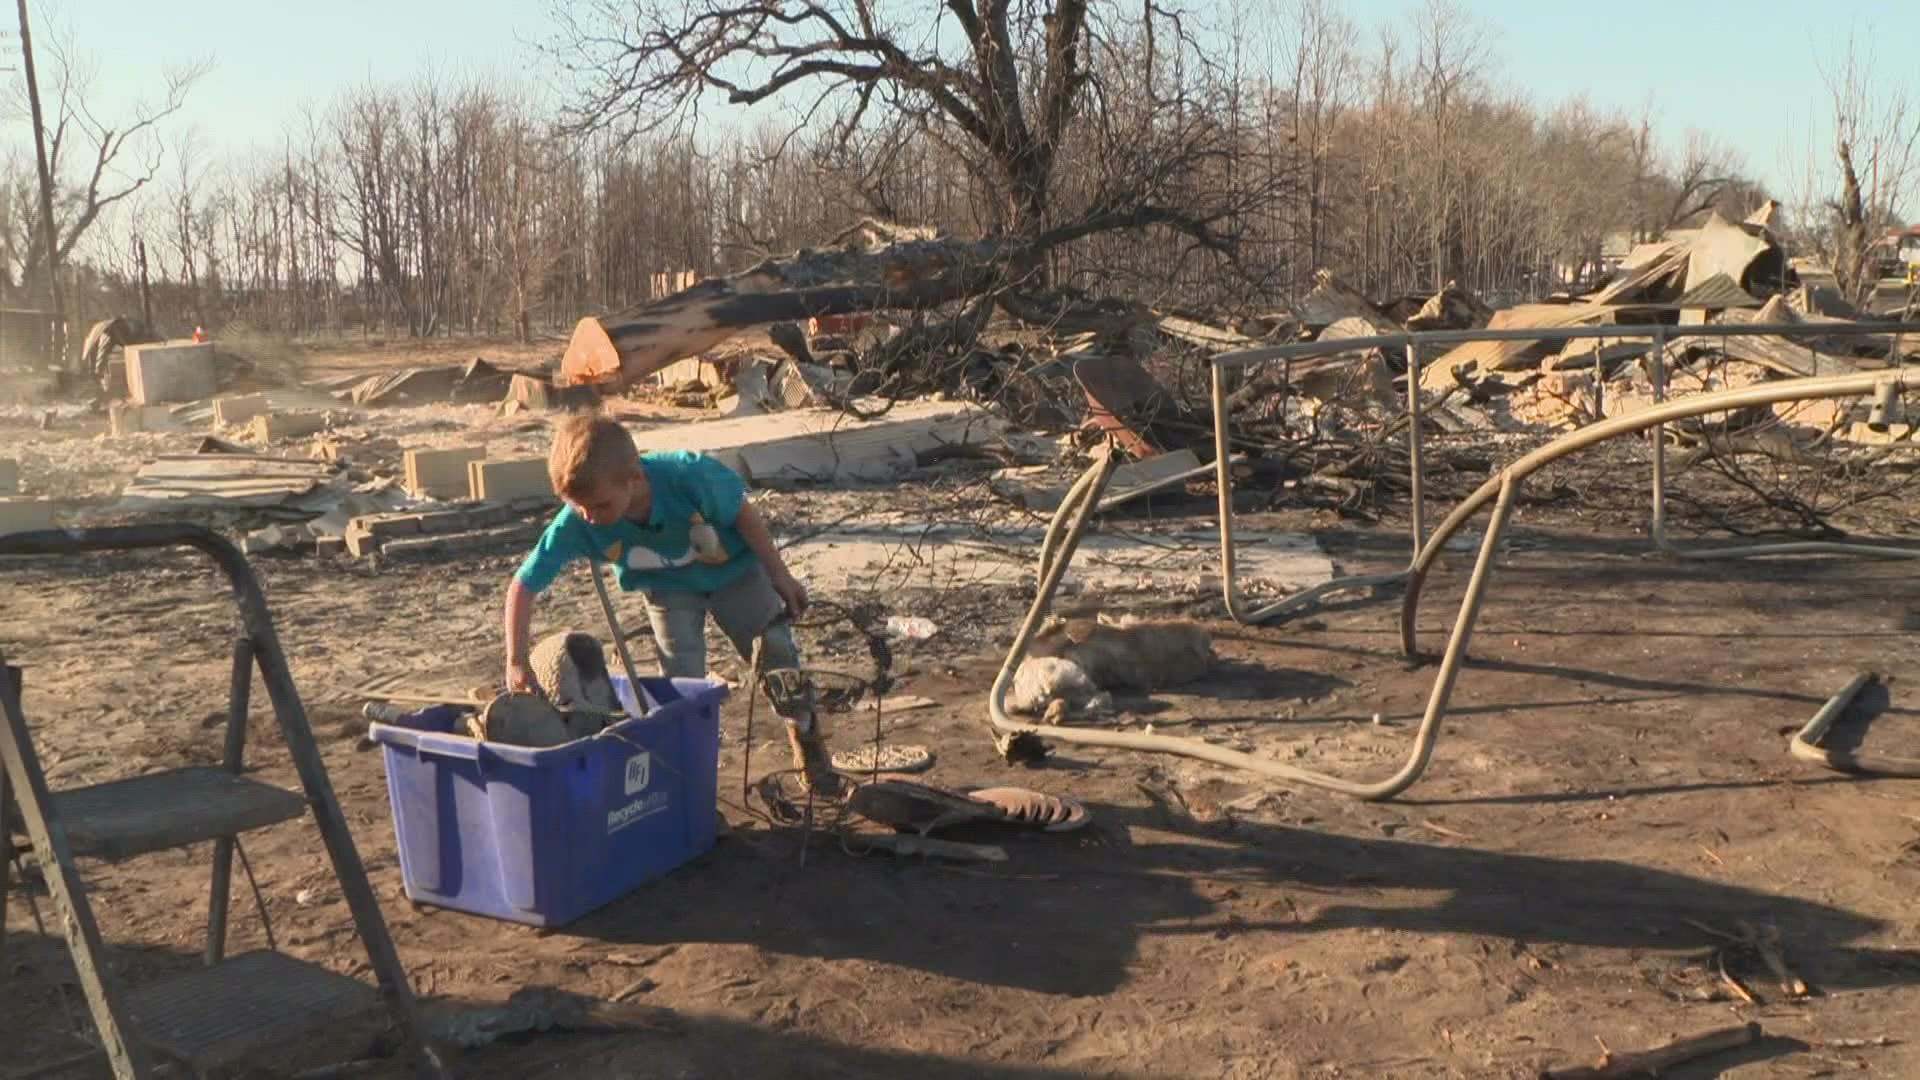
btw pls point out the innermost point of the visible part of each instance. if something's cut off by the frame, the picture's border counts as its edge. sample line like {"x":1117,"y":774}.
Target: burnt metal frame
{"x":258,"y":646}
{"x":1659,"y":335}
{"x":1076,"y":509}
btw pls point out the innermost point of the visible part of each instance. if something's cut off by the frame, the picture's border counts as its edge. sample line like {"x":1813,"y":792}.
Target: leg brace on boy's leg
{"x":791,"y":692}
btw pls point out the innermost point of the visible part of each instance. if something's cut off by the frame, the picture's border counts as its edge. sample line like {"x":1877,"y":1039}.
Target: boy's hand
{"x":520,"y":678}
{"x":791,"y":592}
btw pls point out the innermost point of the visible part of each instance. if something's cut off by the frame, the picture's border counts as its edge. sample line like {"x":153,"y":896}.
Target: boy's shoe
{"x":811,"y":758}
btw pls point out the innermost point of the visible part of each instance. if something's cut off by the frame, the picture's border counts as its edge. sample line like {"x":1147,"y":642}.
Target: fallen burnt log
{"x":880,"y":266}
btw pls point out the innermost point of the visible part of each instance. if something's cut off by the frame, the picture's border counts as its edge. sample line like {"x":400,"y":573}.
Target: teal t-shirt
{"x":654,"y":554}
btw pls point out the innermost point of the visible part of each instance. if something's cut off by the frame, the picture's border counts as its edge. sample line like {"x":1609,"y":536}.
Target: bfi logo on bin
{"x":639,"y":771}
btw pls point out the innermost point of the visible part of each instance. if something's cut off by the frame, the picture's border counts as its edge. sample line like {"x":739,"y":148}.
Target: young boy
{"x":680,"y":530}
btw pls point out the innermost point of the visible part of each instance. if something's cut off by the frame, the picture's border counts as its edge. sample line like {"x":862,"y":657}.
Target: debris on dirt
{"x":911,"y":627}
{"x":476,"y":380}
{"x":908,"y":844}
{"x":181,"y":481}
{"x":1040,"y":488}
{"x":919,"y":808}
{"x":1614,"y":1066}
{"x":533,"y":1010}
{"x":891,"y":758}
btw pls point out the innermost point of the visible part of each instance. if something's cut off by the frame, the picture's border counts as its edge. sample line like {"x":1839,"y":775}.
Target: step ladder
{"x":232,"y":1008}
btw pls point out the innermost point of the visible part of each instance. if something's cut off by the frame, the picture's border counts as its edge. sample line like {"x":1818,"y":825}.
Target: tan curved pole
{"x":1074,"y":512}
{"x":1237,"y":607}
{"x":1766,"y":393}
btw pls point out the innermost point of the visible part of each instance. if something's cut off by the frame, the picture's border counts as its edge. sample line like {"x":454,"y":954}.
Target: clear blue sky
{"x":1746,"y":72}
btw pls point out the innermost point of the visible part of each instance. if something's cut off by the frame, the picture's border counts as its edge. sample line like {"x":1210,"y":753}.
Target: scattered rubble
{"x":1722,"y":273}
{"x":1009,"y":389}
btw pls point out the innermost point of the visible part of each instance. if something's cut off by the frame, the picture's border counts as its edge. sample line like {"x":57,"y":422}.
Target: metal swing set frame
{"x":1070,"y":521}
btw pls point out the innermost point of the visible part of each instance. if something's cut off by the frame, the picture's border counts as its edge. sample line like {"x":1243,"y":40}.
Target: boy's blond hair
{"x":586,"y":450}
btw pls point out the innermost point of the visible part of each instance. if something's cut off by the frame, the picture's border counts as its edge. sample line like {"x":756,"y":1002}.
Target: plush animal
{"x":1081,"y":662}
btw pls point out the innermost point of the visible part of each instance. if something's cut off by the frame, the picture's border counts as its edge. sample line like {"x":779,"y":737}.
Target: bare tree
{"x":1707,"y":171}
{"x":1875,"y":134}
{"x":97,"y":161}
{"x":1322,"y":88}
{"x":1447,"y":68}
{"x":1001,"y":85}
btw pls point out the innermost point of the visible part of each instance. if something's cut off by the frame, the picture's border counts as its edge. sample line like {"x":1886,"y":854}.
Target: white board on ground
{"x":941,"y":557}
{"x":825,"y":444}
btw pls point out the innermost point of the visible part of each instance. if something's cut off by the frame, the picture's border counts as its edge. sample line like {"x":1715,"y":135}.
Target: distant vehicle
{"x":1898,"y":255}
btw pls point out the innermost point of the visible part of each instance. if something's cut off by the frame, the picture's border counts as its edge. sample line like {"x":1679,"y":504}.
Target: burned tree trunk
{"x":882,"y":266}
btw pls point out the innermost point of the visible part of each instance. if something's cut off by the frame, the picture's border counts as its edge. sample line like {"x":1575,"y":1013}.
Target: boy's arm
{"x":519,"y":626}
{"x":753,"y":529}
{"x":558,"y":546}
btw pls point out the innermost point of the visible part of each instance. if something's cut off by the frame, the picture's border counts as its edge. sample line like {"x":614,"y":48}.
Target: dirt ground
{"x":1611,"y":786}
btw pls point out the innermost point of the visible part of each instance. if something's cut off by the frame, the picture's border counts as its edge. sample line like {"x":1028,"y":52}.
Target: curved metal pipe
{"x":1087,"y":490}
{"x":1766,"y":393}
{"x":1237,"y":608}
{"x":1070,"y":520}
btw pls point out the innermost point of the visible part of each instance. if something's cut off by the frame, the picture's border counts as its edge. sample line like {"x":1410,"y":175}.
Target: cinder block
{"x":228,"y":411}
{"x":171,"y":371}
{"x":9,"y":476}
{"x":441,"y":474}
{"x":504,"y":481}
{"x":269,"y":427}
{"x":24,"y":514}
{"x":329,"y":545}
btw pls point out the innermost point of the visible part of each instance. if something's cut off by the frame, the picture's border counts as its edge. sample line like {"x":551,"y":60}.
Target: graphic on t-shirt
{"x":645,"y":558}
{"x":704,"y":539}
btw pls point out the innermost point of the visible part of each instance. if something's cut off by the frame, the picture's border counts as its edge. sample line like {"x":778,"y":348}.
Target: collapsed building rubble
{"x":899,"y":349}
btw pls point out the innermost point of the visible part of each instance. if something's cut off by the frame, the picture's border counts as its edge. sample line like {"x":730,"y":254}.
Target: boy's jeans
{"x":744,"y":609}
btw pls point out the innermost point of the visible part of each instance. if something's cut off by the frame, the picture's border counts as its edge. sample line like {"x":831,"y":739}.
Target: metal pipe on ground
{"x":1805,"y":743}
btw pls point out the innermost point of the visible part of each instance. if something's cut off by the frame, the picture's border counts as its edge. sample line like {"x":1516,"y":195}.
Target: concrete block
{"x":171,"y":371}
{"x":441,"y":522}
{"x":441,"y":474}
{"x":382,"y":526}
{"x":271,"y":427}
{"x":360,"y":544}
{"x":452,"y":545}
{"x":228,"y":411}
{"x":9,"y":476}
{"x":127,"y":418}
{"x":490,"y":516}
{"x":692,"y":369}
{"x":329,"y":545}
{"x":416,"y":547}
{"x":25,"y":514}
{"x":504,"y":481}
{"x":531,"y":392}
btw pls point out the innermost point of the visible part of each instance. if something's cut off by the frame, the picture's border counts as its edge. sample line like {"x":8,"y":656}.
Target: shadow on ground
{"x":1075,"y":929}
